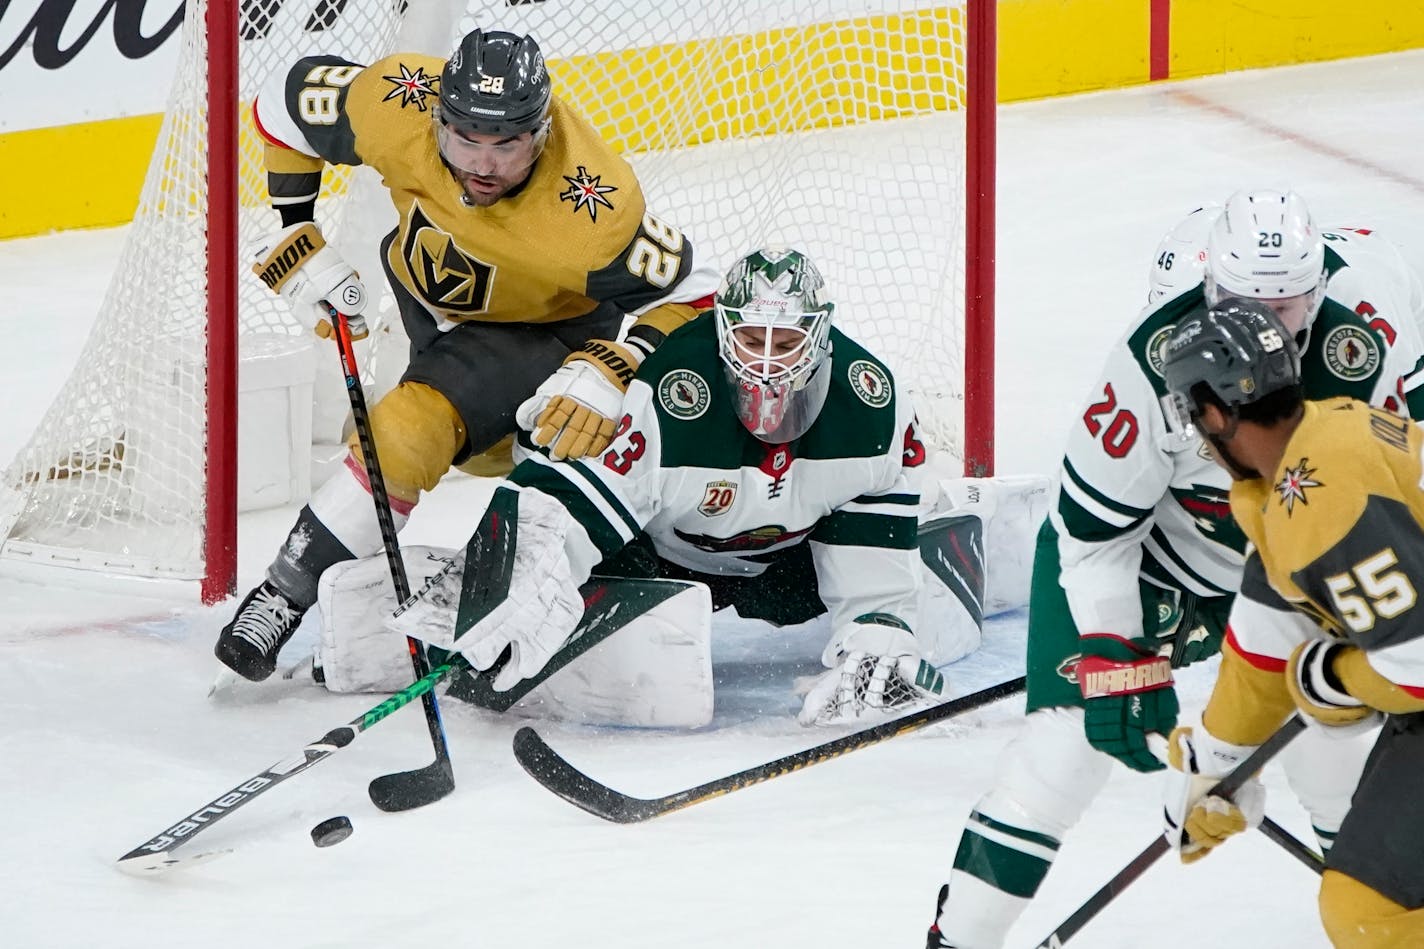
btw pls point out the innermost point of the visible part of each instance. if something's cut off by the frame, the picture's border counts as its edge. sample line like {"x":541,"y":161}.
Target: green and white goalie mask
{"x":774,"y":337}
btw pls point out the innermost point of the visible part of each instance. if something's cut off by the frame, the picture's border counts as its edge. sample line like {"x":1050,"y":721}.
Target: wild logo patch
{"x":587,"y":191}
{"x":1293,"y":483}
{"x":684,"y":394}
{"x":870,"y":383}
{"x":412,"y":87}
{"x":1350,"y":353}
{"x":1068,"y":668}
{"x":717,"y":498}
{"x":1157,"y":348}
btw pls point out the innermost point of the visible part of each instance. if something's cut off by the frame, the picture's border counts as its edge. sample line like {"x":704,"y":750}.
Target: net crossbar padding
{"x":840,"y":127}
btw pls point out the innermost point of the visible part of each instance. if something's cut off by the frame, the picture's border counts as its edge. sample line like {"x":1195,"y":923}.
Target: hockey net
{"x":812,"y":123}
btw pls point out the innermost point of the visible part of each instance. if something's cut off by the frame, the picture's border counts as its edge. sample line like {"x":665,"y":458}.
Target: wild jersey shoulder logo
{"x":684,"y":394}
{"x":1350,"y":353}
{"x":870,"y":383}
{"x":412,"y":87}
{"x":444,"y":275}
{"x":717,"y":498}
{"x":1156,"y":348}
{"x":587,"y":191}
{"x":1293,"y":483}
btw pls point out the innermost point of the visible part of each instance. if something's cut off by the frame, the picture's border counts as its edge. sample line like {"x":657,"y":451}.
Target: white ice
{"x":106,"y":734}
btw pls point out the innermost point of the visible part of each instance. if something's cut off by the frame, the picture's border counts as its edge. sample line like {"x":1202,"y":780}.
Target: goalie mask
{"x":774,"y":337}
{"x":1265,"y":246}
{"x":1239,"y":357}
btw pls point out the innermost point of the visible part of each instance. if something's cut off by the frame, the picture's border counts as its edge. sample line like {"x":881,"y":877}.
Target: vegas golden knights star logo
{"x":444,"y":275}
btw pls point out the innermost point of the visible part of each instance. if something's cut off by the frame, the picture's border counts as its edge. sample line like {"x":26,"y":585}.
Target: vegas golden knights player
{"x":1330,"y":495}
{"x":522,"y":242}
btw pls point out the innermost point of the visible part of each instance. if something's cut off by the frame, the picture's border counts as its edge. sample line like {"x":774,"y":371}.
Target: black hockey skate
{"x":934,"y":939}
{"x":263,"y":624}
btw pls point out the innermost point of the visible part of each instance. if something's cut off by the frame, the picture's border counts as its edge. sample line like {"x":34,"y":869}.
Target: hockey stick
{"x":403,"y":790}
{"x":1307,"y":857}
{"x":1140,"y":864}
{"x":551,"y":770}
{"x":156,"y":855}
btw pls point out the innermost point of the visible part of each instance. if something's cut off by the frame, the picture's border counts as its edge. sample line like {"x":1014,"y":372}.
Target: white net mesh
{"x":832,"y":125}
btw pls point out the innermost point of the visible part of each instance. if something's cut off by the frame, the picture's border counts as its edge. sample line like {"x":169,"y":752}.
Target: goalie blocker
{"x":657,"y":670}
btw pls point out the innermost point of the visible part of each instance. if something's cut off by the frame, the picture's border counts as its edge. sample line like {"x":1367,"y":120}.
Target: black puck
{"x":331,"y":831}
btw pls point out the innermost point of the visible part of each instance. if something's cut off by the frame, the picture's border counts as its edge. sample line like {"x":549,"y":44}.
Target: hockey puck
{"x":331,"y":831}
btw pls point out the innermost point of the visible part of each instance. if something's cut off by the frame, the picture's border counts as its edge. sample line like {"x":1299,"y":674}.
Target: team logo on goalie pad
{"x":870,"y":383}
{"x":718,"y":498}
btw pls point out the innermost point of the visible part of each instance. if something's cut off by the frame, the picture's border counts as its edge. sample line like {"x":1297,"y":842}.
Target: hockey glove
{"x":1194,"y":820}
{"x":298,"y":264}
{"x":1320,"y":695}
{"x":574,"y":412}
{"x":1129,"y":694}
{"x":880,"y":671}
{"x":534,"y":617}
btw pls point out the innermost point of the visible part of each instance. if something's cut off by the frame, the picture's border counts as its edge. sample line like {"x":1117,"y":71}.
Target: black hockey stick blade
{"x":1305,"y":856}
{"x":407,"y":790}
{"x":550,"y":769}
{"x":1141,"y":863}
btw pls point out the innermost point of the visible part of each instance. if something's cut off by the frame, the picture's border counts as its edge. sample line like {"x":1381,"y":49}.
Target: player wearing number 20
{"x":764,"y":454}
{"x":1329,"y":494}
{"x":522,"y":243}
{"x":1138,"y":565}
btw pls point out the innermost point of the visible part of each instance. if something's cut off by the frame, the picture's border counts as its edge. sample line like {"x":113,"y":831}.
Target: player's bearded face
{"x":488,"y":166}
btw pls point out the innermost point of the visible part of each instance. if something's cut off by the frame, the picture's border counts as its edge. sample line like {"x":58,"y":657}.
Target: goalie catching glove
{"x":574,"y":412}
{"x":881,"y":671}
{"x":1195,"y":821}
{"x":298,"y":264}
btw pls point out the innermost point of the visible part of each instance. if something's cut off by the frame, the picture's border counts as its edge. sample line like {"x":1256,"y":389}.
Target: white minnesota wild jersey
{"x":715,"y":499}
{"x":1138,"y":499}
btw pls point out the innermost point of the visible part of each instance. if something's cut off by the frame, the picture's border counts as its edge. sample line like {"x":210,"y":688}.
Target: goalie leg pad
{"x":655,"y":672}
{"x":952,"y":588}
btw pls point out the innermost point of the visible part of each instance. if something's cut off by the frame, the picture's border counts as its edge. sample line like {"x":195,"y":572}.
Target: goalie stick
{"x":156,"y":855}
{"x":550,"y":769}
{"x":1141,"y":863}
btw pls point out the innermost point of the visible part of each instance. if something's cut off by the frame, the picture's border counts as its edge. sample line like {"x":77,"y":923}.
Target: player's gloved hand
{"x":298,"y":264}
{"x":1320,"y":695}
{"x":1129,"y":694}
{"x":534,"y":616}
{"x":880,"y":670}
{"x":1195,"y":821}
{"x":575,"y":411}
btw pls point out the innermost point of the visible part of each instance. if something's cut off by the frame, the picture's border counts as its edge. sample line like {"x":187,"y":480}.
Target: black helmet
{"x":494,"y":84}
{"x":1239,"y":351}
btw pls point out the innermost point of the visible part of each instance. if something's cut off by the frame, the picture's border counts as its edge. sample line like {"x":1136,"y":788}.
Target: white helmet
{"x":1181,"y":255}
{"x":774,"y":337}
{"x":1265,"y":246}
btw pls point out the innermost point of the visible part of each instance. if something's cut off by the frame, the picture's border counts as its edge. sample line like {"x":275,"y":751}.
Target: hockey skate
{"x":934,"y":939}
{"x":264,"y":622}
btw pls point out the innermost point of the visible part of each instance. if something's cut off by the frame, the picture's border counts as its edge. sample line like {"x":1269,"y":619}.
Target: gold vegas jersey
{"x":1338,"y":550}
{"x":575,"y":235}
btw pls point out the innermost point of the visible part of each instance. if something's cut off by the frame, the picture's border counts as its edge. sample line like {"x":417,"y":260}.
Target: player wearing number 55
{"x":523,"y":241}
